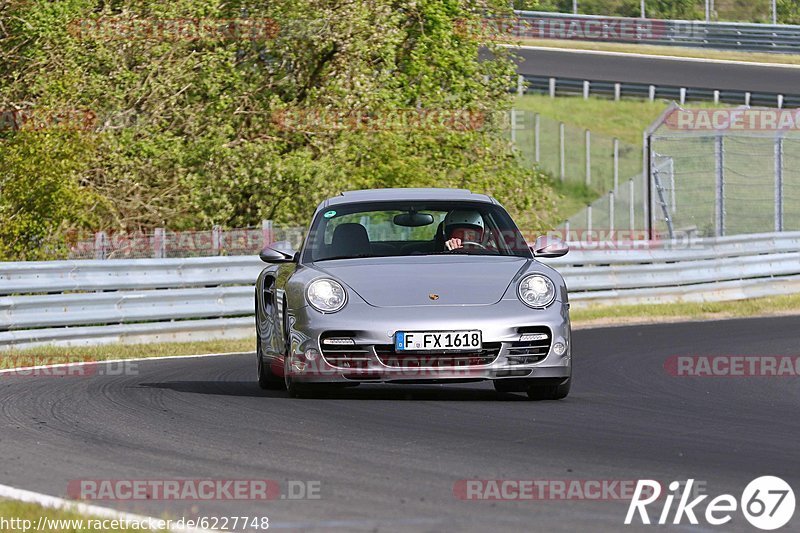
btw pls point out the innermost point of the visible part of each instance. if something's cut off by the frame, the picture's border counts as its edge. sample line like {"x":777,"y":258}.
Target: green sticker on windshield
{"x":330,"y":214}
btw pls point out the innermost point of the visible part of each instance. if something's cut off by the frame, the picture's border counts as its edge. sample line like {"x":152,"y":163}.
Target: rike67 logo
{"x":767,"y":503}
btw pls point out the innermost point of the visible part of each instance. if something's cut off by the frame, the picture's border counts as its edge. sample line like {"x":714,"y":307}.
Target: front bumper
{"x":373,"y":359}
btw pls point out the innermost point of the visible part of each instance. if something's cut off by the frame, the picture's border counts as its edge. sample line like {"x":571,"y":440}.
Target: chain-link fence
{"x":725,"y":171}
{"x":574,"y":155}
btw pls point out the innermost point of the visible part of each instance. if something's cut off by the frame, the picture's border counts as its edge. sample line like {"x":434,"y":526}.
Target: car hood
{"x":427,"y":280}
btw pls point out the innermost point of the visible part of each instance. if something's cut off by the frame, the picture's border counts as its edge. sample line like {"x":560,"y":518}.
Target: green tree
{"x":187,"y":134}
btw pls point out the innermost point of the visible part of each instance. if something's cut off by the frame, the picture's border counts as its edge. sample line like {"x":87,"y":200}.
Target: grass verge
{"x":57,"y":521}
{"x":675,"y":51}
{"x":63,"y":354}
{"x":680,"y":312}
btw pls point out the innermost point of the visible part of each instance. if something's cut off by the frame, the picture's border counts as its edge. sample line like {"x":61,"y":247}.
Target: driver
{"x":463,"y":227}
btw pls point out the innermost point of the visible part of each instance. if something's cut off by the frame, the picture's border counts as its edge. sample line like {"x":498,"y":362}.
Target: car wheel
{"x":550,"y":392}
{"x":295,"y":389}
{"x":266,"y":379}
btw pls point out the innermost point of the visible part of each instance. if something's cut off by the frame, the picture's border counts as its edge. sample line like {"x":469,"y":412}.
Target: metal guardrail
{"x":159,"y":300}
{"x":578,"y":87}
{"x":692,"y":33}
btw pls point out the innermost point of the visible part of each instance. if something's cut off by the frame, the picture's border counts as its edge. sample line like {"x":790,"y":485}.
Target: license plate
{"x":407,"y":341}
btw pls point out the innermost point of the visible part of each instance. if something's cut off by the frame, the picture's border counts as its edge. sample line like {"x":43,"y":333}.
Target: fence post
{"x":100,"y":245}
{"x":632,"y":208}
{"x":536,"y":129}
{"x":216,"y":240}
{"x":513,"y":125}
{"x":779,"y":183}
{"x":611,"y":212}
{"x":159,"y":243}
{"x":588,"y":219}
{"x":588,"y":143}
{"x":552,"y":87}
{"x":266,"y":233}
{"x":719,"y":204}
{"x":616,"y":163}
{"x":562,"y":160}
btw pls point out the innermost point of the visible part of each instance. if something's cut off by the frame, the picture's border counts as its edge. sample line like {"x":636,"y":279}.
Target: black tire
{"x":266,"y":379}
{"x":550,"y":392}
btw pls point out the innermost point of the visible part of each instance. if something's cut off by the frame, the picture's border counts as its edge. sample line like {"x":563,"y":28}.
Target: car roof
{"x":378,"y":195}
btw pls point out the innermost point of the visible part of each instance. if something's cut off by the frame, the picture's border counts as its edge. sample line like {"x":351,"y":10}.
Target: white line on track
{"x":652,"y":56}
{"x":88,"y":511}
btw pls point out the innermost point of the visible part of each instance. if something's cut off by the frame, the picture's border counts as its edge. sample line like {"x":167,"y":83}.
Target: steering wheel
{"x":471,"y":243}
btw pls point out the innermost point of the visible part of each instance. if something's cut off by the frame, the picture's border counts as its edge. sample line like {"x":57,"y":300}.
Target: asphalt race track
{"x":655,"y":71}
{"x":387,"y":457}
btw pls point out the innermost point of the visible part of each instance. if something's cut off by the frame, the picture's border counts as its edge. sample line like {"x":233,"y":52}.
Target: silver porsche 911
{"x":413,"y":286}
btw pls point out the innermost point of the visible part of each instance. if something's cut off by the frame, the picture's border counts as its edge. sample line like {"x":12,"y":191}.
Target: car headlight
{"x":326,"y":295}
{"x":537,"y":291}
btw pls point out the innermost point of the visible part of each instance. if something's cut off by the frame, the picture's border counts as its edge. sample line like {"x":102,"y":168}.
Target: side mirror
{"x":278,"y":252}
{"x":549,"y":247}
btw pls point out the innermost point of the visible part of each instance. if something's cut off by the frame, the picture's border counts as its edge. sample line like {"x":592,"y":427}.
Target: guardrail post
{"x":585,"y":89}
{"x":719,"y":204}
{"x":266,"y":233}
{"x":617,"y":91}
{"x":683,"y":95}
{"x":747,"y":99}
{"x":779,"y":183}
{"x":159,"y":243}
{"x":616,"y":163}
{"x":780,"y":101}
{"x":520,"y":85}
{"x":536,"y":130}
{"x":652,"y":93}
{"x":552,"y":87}
{"x":100,"y":245}
{"x":716,"y":97}
{"x":216,"y":240}
{"x":588,"y":143}
{"x":562,"y":159}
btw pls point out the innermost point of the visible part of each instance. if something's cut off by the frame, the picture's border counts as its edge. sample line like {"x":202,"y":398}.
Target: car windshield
{"x":413,"y":228}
